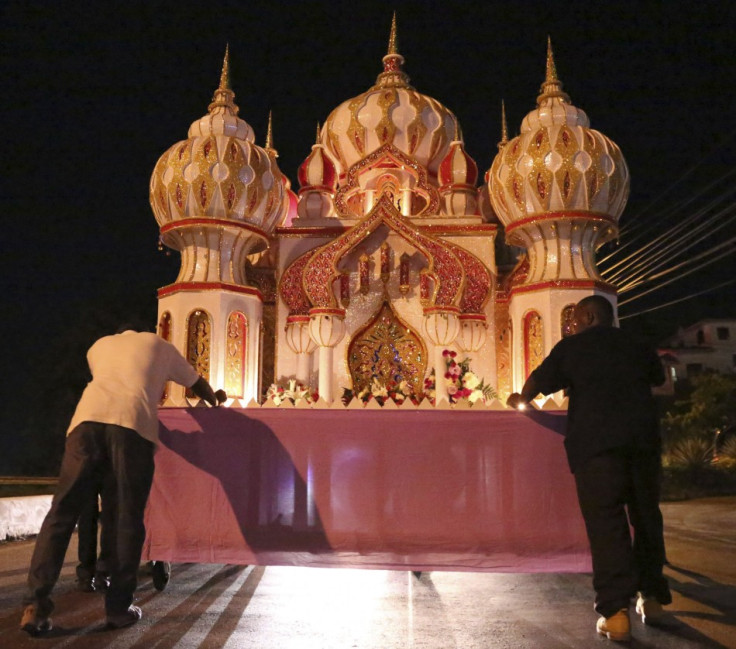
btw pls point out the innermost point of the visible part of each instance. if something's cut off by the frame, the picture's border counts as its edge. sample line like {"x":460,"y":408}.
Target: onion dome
{"x":391,"y":112}
{"x":557,"y":163}
{"x":456,"y":176}
{"x":457,"y":168}
{"x":317,"y":172}
{"x":218,"y":172}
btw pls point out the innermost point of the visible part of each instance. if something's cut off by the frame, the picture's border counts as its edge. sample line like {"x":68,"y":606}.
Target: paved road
{"x":215,"y":606}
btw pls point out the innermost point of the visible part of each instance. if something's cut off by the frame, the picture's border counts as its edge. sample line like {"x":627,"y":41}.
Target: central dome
{"x":391,"y":112}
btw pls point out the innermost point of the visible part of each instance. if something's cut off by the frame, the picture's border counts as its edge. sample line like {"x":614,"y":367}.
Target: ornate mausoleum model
{"x":387,"y":257}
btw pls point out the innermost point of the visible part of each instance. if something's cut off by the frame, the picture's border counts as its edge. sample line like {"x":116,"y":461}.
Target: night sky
{"x":94,"y":93}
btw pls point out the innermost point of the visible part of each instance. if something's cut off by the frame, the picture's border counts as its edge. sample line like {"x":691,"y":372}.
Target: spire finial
{"x":552,"y":86}
{"x":457,"y":132}
{"x":269,"y":131}
{"x":393,"y":76}
{"x":224,"y":96}
{"x":269,"y":138}
{"x":504,"y":127}
{"x":316,"y":140}
{"x":393,"y":44}
{"x":551,"y":75}
{"x":225,"y":74}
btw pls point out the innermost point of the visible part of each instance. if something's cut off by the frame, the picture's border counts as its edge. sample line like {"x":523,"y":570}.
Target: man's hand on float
{"x":221,"y":396}
{"x":516,"y":401}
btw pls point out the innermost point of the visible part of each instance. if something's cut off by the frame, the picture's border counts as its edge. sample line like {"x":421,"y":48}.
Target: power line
{"x":682,"y":299}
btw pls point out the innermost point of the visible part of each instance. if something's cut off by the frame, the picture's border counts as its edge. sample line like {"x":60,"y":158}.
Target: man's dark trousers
{"x":608,"y":485}
{"x":120,"y":460}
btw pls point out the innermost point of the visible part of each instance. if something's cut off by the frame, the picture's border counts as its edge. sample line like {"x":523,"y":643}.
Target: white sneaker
{"x":649,"y":609}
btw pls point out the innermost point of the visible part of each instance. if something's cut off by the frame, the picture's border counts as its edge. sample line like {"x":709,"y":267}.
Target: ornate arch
{"x":236,"y":347}
{"x":387,"y":157}
{"x":533,"y":341}
{"x":444,"y":267}
{"x":199,"y":343}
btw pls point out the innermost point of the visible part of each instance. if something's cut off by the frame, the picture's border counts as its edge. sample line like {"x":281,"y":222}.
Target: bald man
{"x":613,"y":449}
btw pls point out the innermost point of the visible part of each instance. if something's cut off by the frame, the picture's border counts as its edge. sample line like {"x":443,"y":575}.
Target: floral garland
{"x":294,"y":391}
{"x":461,"y":382}
{"x":381,"y":392}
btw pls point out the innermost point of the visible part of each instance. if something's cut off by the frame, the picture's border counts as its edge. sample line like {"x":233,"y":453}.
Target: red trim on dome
{"x":317,"y":188}
{"x":552,"y":216}
{"x":340,"y":313}
{"x":208,"y":286}
{"x":565,"y":284}
{"x":187,"y":222}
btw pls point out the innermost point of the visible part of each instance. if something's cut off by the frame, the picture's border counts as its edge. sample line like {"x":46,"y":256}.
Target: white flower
{"x":475,"y":395}
{"x":471,"y":381}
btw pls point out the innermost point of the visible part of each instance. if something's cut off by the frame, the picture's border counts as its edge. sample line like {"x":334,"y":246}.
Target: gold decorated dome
{"x":391,"y":112}
{"x":557,"y":163}
{"x":218,"y":172}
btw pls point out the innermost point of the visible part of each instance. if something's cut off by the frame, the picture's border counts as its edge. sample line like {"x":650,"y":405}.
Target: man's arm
{"x":204,"y":391}
{"x":528,"y":392}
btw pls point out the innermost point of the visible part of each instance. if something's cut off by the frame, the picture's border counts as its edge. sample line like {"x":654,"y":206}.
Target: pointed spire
{"x":393,"y":44}
{"x":225,"y":74}
{"x":456,"y":137}
{"x":504,"y":127}
{"x":224,"y":96}
{"x":393,"y":76}
{"x":552,"y":86}
{"x":269,"y":138}
{"x":316,"y":139}
{"x":551,"y":75}
{"x":269,"y":131}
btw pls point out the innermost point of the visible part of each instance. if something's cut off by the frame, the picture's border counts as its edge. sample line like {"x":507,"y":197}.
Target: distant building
{"x":706,"y":346}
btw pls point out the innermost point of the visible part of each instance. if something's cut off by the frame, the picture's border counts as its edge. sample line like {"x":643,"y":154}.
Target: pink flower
{"x":446,"y":352}
{"x":451,"y":389}
{"x":452,"y":354}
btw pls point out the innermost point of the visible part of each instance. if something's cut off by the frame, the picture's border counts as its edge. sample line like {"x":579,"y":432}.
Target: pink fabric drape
{"x":419,"y":490}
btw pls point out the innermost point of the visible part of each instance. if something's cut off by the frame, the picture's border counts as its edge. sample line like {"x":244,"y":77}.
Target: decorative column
{"x":473,"y":330}
{"x":442,"y":326}
{"x":299,"y":342}
{"x":326,"y":327}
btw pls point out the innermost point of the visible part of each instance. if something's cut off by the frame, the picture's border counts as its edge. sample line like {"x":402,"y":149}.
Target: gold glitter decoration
{"x":388,"y":350}
{"x":199,"y":337}
{"x":236,"y":342}
{"x":566,"y":319}
{"x":533,"y":342}
{"x":504,"y":340}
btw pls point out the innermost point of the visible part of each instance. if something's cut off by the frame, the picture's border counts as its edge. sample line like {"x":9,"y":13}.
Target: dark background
{"x":94,"y":93}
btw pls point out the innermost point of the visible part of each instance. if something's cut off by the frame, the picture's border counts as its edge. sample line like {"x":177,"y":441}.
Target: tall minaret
{"x":217,"y":197}
{"x":559,"y":188}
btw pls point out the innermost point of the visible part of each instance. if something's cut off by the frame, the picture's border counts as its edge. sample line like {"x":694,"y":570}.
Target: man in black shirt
{"x":613,"y":449}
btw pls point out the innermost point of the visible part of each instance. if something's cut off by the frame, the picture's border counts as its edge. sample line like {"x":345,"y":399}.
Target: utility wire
{"x":634,"y":284}
{"x":687,"y":173}
{"x":652,"y":224}
{"x":674,"y":279}
{"x":673,"y":250}
{"x":677,"y":301}
{"x":636,"y":256}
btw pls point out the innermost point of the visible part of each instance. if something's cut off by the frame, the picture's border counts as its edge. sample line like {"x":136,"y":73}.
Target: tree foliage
{"x":710,"y":406}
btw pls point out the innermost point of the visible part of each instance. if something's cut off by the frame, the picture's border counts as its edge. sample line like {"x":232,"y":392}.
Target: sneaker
{"x":101,"y":582}
{"x":126,"y":618}
{"x":160,"y":573}
{"x":616,"y":627}
{"x":649,"y":608}
{"x":34,"y":622}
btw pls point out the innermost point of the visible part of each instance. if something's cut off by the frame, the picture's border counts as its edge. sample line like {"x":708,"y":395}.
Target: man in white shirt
{"x":110,"y":442}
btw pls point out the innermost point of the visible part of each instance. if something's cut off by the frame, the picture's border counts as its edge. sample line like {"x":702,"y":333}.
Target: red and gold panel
{"x":199,"y":344}
{"x":236,"y":341}
{"x":389,"y":350}
{"x":533,"y":342}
